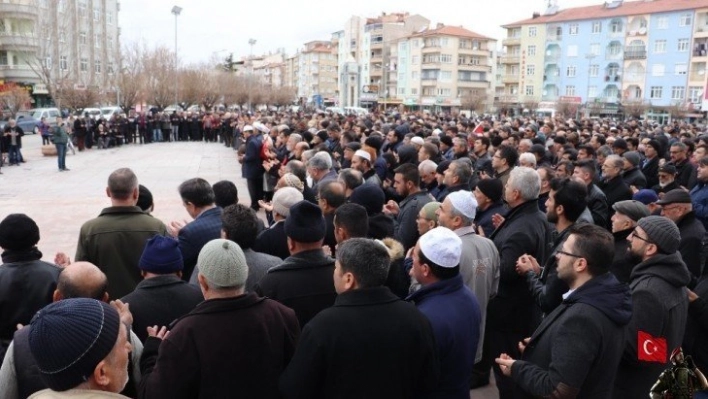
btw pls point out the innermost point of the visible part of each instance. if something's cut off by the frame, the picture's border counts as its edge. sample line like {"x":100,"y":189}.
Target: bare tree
{"x":677,"y":110}
{"x":14,"y":98}
{"x":635,"y":108}
{"x":566,"y":109}
{"x":160,"y":76}
{"x":44,"y":47}
{"x":77,"y":97}
{"x":282,"y":96}
{"x":531,"y":103}
{"x":474,"y":101}
{"x":130,"y":77}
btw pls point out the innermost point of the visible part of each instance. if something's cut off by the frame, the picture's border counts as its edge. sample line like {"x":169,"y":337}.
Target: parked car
{"x":94,"y":113}
{"x":108,"y":112}
{"x":24,"y":121}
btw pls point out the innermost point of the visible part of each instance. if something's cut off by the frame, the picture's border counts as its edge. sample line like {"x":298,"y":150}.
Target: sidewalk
{"x":60,"y":202}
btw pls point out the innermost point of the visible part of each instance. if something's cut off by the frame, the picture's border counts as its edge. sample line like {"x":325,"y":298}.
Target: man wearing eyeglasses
{"x":576,"y":349}
{"x":660,"y":305}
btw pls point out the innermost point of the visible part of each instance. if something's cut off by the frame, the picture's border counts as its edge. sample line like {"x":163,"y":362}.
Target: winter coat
{"x":380,"y":226}
{"x":615,"y":190}
{"x":650,"y":170}
{"x":457,"y":324}
{"x":660,"y":307}
{"x":195,"y":234}
{"x":398,"y":280}
{"x":303,"y":282}
{"x":273,"y":241}
{"x":576,"y":349}
{"x":699,"y":199}
{"x":405,"y":225}
{"x":209,"y":353}
{"x":692,"y":246}
{"x":159,"y":301}
{"x":634,"y":177}
{"x":370,"y":344}
{"x":621,"y":267}
{"x":525,"y":230}
{"x":597,"y":203}
{"x":483,"y":218}
{"x":252,"y":167}
{"x":694,"y":341}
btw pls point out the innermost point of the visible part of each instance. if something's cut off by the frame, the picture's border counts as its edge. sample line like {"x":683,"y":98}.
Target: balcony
{"x":554,"y":38}
{"x":697,"y":75}
{"x":551,"y":77}
{"x":15,"y":10}
{"x":475,"y":68}
{"x":474,"y":84}
{"x":510,"y":59}
{"x":18,"y":42}
{"x":635,"y":53}
{"x":17,"y":72}
{"x":506,"y":79}
{"x":511,"y":41}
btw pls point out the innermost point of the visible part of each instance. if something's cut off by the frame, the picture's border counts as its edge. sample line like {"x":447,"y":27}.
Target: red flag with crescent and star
{"x":651,"y":349}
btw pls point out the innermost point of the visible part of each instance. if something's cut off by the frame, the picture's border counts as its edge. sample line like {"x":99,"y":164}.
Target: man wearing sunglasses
{"x":576,"y":349}
{"x":660,"y":305}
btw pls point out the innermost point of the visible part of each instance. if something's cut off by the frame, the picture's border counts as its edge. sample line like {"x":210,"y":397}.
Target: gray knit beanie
{"x":223,"y":264}
{"x":662,"y":232}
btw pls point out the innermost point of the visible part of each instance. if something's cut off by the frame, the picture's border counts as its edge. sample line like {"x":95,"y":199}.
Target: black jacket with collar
{"x":692,"y":246}
{"x":303,"y":282}
{"x":650,"y":170}
{"x":615,"y":190}
{"x":160,"y":300}
{"x":525,"y":230}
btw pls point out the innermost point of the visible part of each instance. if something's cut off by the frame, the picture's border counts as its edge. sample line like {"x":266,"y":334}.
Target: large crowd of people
{"x":388,"y":255}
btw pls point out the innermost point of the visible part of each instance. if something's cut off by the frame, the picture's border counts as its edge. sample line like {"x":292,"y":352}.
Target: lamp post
{"x":176,"y":11}
{"x":251,"y":42}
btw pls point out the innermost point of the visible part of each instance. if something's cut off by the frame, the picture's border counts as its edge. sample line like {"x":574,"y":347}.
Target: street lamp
{"x":176,"y":10}
{"x":251,"y":42}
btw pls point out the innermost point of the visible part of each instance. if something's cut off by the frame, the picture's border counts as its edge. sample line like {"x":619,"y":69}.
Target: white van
{"x":358,"y":111}
{"x":107,"y":112}
{"x":93,"y":113}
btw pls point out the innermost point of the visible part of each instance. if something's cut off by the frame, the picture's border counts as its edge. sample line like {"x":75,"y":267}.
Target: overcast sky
{"x":208,"y":27}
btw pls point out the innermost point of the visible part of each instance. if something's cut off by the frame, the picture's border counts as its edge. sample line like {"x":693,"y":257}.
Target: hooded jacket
{"x":660,"y":307}
{"x":575,"y":351}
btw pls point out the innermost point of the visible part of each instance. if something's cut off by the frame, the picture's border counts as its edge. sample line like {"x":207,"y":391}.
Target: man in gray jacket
{"x":479,"y":263}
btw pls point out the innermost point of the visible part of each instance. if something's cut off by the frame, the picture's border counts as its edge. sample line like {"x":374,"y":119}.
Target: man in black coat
{"x":370,"y":344}
{"x":273,"y":240}
{"x":613,"y":185}
{"x":667,"y":180}
{"x":650,"y":165}
{"x":162,"y":296}
{"x":659,"y":306}
{"x":525,"y":230}
{"x":597,"y":200}
{"x":252,"y":165}
{"x":632,"y":176}
{"x":676,"y":205}
{"x":303,"y":282}
{"x":685,"y":170}
{"x":576,"y":349}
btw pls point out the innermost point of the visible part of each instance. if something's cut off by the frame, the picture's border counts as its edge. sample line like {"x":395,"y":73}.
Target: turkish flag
{"x":479,"y":129}
{"x":651,"y":349}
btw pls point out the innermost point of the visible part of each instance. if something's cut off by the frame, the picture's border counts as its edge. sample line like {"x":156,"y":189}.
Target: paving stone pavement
{"x":60,"y":202}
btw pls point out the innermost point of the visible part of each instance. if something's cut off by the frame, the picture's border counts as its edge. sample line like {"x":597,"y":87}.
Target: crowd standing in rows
{"x":403,"y":255}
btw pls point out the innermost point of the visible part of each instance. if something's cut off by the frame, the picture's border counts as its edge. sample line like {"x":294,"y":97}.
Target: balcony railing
{"x":13,"y":9}
{"x":18,"y":42}
{"x":511,"y":41}
{"x":510,"y":59}
{"x":510,"y":79}
{"x":635,"y":53}
{"x":554,"y":38}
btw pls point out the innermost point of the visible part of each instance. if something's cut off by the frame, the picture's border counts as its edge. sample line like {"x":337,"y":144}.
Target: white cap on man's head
{"x":442,"y":246}
{"x":464,"y":202}
{"x":248,"y":128}
{"x":363,"y":154}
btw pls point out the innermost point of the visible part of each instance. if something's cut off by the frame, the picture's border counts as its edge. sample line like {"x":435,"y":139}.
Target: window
{"x":63,"y":64}
{"x":594,"y":70}
{"x":414,"y":91}
{"x":446,"y":58}
{"x":678,"y":92}
{"x":446,"y":76}
{"x":533,"y":31}
{"x":616,"y":26}
{"x":531,"y":51}
{"x":592,"y":91}
{"x":443,"y":41}
{"x":401,"y":90}
{"x":416,"y":43}
{"x":573,"y":29}
{"x":48,"y":62}
{"x":415,"y":59}
{"x":97,"y":42}
{"x":656,"y":92}
{"x":3,"y":58}
{"x":685,"y":20}
{"x":109,"y":67}
{"x":96,"y":14}
{"x":694,"y":94}
{"x":82,"y":37}
{"x":660,"y":46}
{"x":682,"y":45}
{"x":444,"y":92}
{"x":97,"y":66}
{"x":596,"y":27}
{"x":570,"y":71}
{"x":84,"y":65}
{"x":62,"y":36}
{"x":662,"y":23}
{"x":573,"y":50}
{"x":530,"y":70}
{"x":570,"y":90}
{"x":529,"y":90}
{"x":401,"y":76}
{"x":475,"y":61}
{"x":680,"y":69}
{"x":657,"y":70}
{"x":109,"y":17}
{"x":414,"y":75}
{"x":595,"y":49}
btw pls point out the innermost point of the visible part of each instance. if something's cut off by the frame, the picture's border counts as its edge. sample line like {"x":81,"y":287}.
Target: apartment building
{"x":444,"y":68}
{"x":317,"y":73}
{"x":607,"y":56}
{"x":62,"y":42}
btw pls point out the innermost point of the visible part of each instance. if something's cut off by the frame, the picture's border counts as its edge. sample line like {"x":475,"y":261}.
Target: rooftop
{"x":457,"y":31}
{"x":623,"y":9}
